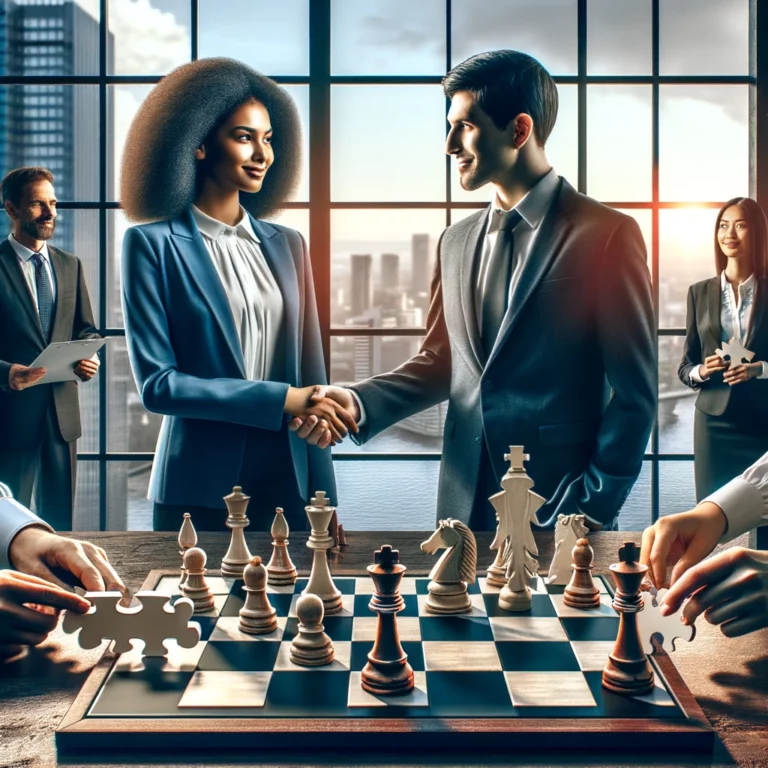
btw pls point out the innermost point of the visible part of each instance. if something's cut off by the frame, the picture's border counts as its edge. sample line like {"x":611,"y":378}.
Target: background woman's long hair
{"x":159,"y":170}
{"x":758,"y":234}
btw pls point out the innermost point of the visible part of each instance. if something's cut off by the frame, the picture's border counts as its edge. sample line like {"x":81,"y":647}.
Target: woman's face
{"x":733,"y":233}
{"x":240,"y":153}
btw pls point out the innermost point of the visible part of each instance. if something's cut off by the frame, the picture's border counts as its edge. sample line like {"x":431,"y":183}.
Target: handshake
{"x":322,"y":415}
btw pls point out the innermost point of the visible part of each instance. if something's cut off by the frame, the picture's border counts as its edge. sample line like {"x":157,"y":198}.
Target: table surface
{"x":728,"y":677}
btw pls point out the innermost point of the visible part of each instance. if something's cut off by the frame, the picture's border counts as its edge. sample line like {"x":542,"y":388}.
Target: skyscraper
{"x":390,"y":271}
{"x":362,"y":283}
{"x":420,"y":264}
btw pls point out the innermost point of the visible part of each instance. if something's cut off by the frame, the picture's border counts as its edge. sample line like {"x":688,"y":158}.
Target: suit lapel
{"x":64,"y":297}
{"x":758,"y":313}
{"x":467,"y":279}
{"x":714,"y":296}
{"x":10,"y":264}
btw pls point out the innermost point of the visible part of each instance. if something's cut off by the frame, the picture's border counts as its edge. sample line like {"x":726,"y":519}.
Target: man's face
{"x":36,"y":211}
{"x":484,"y":152}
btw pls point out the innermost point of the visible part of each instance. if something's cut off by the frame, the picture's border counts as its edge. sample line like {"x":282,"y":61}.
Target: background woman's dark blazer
{"x":703,"y":337}
{"x":188,"y":363}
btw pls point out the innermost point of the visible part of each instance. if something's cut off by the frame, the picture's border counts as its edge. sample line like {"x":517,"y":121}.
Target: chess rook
{"x":196,"y":587}
{"x":187,"y":539}
{"x":281,"y":569}
{"x":628,"y":671}
{"x":311,"y":647}
{"x":387,"y":672}
{"x":237,"y":556}
{"x":582,"y":592}
{"x":320,"y":581}
{"x":257,"y":616}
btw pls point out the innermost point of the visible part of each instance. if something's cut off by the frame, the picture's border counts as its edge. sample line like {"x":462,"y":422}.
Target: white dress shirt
{"x":24,"y":255}
{"x":736,"y":310}
{"x":252,"y":291}
{"x":744,"y":500}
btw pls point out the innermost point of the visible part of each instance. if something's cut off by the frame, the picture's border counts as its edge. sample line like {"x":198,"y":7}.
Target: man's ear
{"x":200,"y":152}
{"x":10,"y":209}
{"x":522,"y":130}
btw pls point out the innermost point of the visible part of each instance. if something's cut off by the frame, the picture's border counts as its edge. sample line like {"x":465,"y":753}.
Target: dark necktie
{"x":44,"y":295}
{"x":497,"y":281}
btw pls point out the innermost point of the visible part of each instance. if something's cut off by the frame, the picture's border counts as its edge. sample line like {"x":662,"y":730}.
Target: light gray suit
{"x":572,"y":376}
{"x":13,"y":517}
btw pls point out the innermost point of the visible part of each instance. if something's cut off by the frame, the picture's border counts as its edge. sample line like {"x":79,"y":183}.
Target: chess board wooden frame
{"x":78,"y":733}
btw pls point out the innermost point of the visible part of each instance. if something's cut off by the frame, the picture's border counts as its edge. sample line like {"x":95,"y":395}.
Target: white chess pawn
{"x":195,"y":587}
{"x":257,"y":616}
{"x":311,"y":647}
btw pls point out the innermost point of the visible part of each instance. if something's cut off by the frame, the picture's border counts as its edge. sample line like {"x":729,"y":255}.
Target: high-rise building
{"x":390,"y":271}
{"x":420,"y":264}
{"x":361,"y":290}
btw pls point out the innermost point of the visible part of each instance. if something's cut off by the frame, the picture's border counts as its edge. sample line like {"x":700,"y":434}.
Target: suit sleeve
{"x":165,"y":389}
{"x":13,"y":518}
{"x":419,"y":383}
{"x":83,"y":325}
{"x":626,"y":333}
{"x":692,"y":350}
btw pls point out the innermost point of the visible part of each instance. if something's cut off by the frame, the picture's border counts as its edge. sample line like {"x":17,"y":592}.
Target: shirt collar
{"x":24,"y":253}
{"x":534,"y":205}
{"x":215,"y":229}
{"x":746,"y":289}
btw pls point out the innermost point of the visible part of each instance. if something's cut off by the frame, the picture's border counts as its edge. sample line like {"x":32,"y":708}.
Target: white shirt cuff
{"x":361,"y":420}
{"x":742,"y":504}
{"x":764,"y":374}
{"x":696,"y":377}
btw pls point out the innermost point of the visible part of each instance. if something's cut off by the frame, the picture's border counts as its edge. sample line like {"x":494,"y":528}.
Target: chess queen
{"x":220,"y":313}
{"x":726,"y":349}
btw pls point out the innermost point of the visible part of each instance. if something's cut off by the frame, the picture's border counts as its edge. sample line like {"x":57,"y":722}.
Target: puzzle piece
{"x":153,"y":620}
{"x":737,"y":353}
{"x":670,"y":628}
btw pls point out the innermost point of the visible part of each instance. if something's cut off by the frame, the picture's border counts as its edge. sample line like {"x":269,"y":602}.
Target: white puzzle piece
{"x":670,"y":628}
{"x":736,"y":351}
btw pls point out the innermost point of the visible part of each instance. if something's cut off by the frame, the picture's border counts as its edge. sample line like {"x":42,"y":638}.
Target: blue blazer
{"x":188,"y":364}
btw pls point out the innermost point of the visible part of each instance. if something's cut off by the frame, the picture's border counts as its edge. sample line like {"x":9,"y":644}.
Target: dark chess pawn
{"x":257,"y":616}
{"x":387,"y":672}
{"x":311,"y":647}
{"x":628,"y":671}
{"x":195,"y":587}
{"x":582,"y":592}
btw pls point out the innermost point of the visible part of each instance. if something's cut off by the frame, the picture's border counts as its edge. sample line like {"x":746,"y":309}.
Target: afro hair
{"x":158,"y":173}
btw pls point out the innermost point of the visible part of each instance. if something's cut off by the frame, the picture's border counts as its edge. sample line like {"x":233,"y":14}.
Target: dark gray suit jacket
{"x":22,"y":414}
{"x":704,"y":336}
{"x":572,"y":376}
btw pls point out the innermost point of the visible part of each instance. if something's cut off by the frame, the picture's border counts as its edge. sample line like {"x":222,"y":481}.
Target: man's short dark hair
{"x":159,"y":171}
{"x":506,"y":84}
{"x":13,"y":183}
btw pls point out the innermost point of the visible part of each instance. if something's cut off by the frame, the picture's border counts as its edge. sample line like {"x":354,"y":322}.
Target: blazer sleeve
{"x":13,"y":518}
{"x":419,"y":383}
{"x":626,"y":333}
{"x":165,"y":389}
{"x":83,"y":325}
{"x":692,"y":350}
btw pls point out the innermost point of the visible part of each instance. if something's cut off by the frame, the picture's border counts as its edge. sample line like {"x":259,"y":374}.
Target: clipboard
{"x":60,"y":357}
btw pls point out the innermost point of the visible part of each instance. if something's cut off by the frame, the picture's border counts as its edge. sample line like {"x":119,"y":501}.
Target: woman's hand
{"x":710,"y":365}
{"x":300,"y":403}
{"x":742,"y":373}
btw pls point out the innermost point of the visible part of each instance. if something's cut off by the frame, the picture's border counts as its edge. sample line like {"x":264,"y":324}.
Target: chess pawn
{"x":311,"y":647}
{"x":257,"y":616}
{"x":280,"y":568}
{"x":195,"y":587}
{"x":581,"y":591}
{"x":187,"y":539}
{"x":237,"y":556}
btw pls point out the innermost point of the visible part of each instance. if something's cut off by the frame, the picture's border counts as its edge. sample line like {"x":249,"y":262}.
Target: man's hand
{"x":710,"y":365}
{"x":22,"y":376}
{"x":334,"y":408}
{"x":731,"y":589}
{"x":742,"y":373}
{"x":38,"y":552}
{"x":86,"y":369}
{"x":29,"y":609}
{"x":681,"y":540}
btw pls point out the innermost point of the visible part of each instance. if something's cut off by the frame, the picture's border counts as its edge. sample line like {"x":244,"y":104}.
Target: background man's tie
{"x":44,"y":295}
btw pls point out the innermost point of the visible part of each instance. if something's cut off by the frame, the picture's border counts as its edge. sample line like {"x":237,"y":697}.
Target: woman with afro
{"x":219,"y":305}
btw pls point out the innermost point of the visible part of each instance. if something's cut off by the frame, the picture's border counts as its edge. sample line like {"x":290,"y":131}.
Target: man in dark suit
{"x":541,"y":329}
{"x":43,"y":299}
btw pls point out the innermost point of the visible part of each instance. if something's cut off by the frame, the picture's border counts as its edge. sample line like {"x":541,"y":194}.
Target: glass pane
{"x":686,"y":255}
{"x":562,"y":149}
{"x":277,"y":41}
{"x":354,"y":358}
{"x":676,"y":401}
{"x":128,"y":508}
{"x":41,"y":38}
{"x":676,"y":487}
{"x":387,"y":37}
{"x":295,"y":218}
{"x":619,"y":133}
{"x":300,"y":94}
{"x":148,"y":37}
{"x":387,"y":495}
{"x":635,"y":515}
{"x":116,"y":226}
{"x":381,"y":266}
{"x":370,"y":161}
{"x":56,"y":126}
{"x":704,"y":37}
{"x":123,"y":102}
{"x":545,"y":29}
{"x":619,"y":37}
{"x":644,"y":218}
{"x":86,"y":513}
{"x":691,"y":166}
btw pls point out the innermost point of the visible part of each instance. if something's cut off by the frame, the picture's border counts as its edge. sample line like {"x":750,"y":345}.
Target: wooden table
{"x":729,"y":677}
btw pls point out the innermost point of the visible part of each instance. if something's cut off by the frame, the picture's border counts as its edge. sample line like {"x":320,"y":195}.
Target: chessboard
{"x":486,"y":679}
